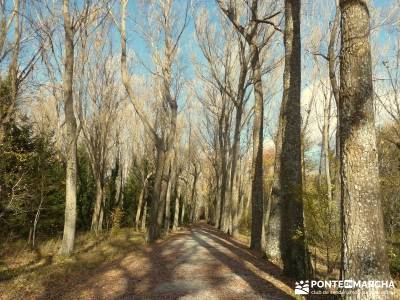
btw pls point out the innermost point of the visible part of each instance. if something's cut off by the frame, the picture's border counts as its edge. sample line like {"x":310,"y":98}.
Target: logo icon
{"x":302,"y":287}
{"x":348,"y":284}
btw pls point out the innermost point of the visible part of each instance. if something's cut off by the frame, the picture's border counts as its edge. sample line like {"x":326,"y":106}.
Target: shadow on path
{"x":200,"y":263}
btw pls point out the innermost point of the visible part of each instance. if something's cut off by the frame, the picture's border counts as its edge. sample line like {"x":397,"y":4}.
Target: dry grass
{"x":28,"y":273}
{"x":42,"y":274}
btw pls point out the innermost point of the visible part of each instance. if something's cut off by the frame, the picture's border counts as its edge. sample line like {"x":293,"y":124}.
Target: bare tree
{"x":72,"y":25}
{"x":12,"y":29}
{"x":172,"y":29}
{"x":142,"y":197}
{"x":8,"y":105}
{"x":331,"y":58}
{"x":251,"y":33}
{"x":325,"y":151}
{"x":178,"y":190}
{"x":286,"y":229}
{"x":72,"y":135}
{"x":99,"y":97}
{"x":364,"y":253}
{"x":168,"y":196}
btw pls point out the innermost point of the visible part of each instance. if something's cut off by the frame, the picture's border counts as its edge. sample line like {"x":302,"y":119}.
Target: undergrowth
{"x":26,"y":272}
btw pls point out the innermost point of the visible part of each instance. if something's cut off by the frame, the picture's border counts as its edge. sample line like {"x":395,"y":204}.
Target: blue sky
{"x":310,"y":22}
{"x":189,"y":44}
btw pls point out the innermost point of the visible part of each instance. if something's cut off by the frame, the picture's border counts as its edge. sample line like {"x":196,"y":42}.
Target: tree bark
{"x":257,"y":188}
{"x":218,"y":197}
{"x":193,"y":215}
{"x":182,"y":216}
{"x":97,"y":224}
{"x":163,"y":193}
{"x":154,"y":228}
{"x":9,"y":108}
{"x":37,"y":215}
{"x":241,"y":196}
{"x":234,"y":180}
{"x":144,"y":217}
{"x":171,"y":180}
{"x":218,"y":204}
{"x":70,"y":121}
{"x":170,"y":106}
{"x":364,"y":255}
{"x":141,"y":199}
{"x":223,"y":147}
{"x":176,"y":210}
{"x":326,"y":148}
{"x":118,"y":185}
{"x":335,"y":90}
{"x":292,"y":235}
{"x":273,"y":249}
{"x":13,"y":69}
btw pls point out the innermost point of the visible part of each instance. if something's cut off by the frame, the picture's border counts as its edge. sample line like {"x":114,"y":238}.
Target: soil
{"x":198,"y":263}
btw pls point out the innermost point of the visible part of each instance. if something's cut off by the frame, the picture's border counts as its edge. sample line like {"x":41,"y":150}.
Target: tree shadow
{"x":40,"y":261}
{"x":246,"y":255}
{"x":238,"y":266}
{"x":187,"y":264}
{"x":81,"y":269}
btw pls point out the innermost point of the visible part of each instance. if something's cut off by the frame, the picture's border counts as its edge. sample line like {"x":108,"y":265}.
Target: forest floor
{"x":195,"y":263}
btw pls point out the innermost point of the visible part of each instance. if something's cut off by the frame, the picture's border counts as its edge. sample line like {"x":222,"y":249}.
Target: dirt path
{"x":200,"y":263}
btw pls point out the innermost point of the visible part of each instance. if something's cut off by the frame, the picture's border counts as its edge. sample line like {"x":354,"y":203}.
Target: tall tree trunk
{"x":293,"y":246}
{"x":70,"y":121}
{"x":157,"y":210}
{"x":222,"y":137}
{"x":326,"y":148}
{"x":144,"y":217}
{"x":218,"y":204}
{"x":154,"y":228}
{"x":235,"y":158}
{"x":141,"y":200}
{"x":163,"y":194}
{"x":171,"y":180}
{"x":118,"y":187}
{"x":182,"y":216}
{"x":241,"y":197}
{"x":222,"y":192}
{"x":176,"y":210}
{"x":193,"y":214}
{"x":170,"y":107}
{"x":37,"y":215}
{"x":335,"y":89}
{"x":2,"y":132}
{"x":9,"y":108}
{"x":101,"y":216}
{"x":257,"y":188}
{"x":218,"y":198}
{"x":13,"y":69}
{"x":226,"y":208}
{"x":97,"y":225}
{"x":237,"y":202}
{"x":273,"y":249}
{"x":364,"y":255}
{"x":171,"y":111}
{"x":332,"y":55}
